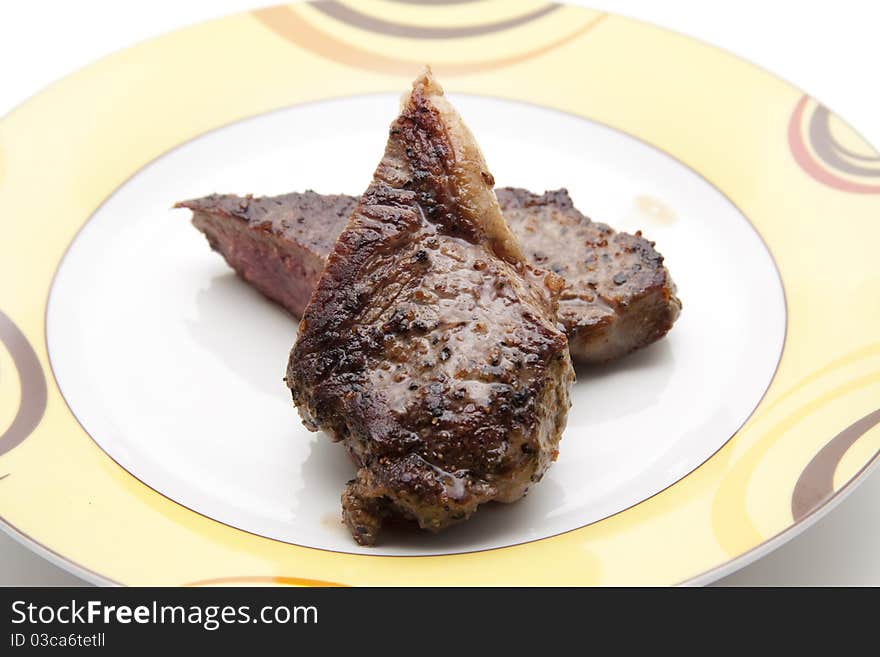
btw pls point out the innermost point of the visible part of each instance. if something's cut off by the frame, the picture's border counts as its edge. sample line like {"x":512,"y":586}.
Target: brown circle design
{"x":816,"y":483}
{"x":290,"y":25}
{"x":349,"y":16}
{"x":32,"y":382}
{"x":820,"y":155}
{"x":434,"y":2}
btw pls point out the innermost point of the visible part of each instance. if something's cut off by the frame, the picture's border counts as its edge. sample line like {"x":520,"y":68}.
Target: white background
{"x":830,"y":50}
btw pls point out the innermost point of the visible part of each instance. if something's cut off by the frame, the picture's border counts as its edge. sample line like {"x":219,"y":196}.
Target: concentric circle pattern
{"x":31,"y":386}
{"x":346,"y":33}
{"x":835,"y":157}
{"x":805,"y":180}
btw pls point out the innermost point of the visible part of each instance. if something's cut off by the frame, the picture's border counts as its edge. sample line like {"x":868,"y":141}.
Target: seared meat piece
{"x":429,"y":347}
{"x":278,"y":244}
{"x":618,"y":295}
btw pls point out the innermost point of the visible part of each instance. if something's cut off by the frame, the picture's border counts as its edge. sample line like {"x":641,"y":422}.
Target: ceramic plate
{"x":147,"y":437}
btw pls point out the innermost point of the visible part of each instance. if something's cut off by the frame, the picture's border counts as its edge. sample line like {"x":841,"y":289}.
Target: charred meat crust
{"x":428,"y":348}
{"x":618,"y":295}
{"x":278,"y":244}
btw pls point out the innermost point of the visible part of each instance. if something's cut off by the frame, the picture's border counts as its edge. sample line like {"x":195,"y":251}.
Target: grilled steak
{"x":618,"y":296}
{"x":278,"y":244}
{"x":429,"y":347}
